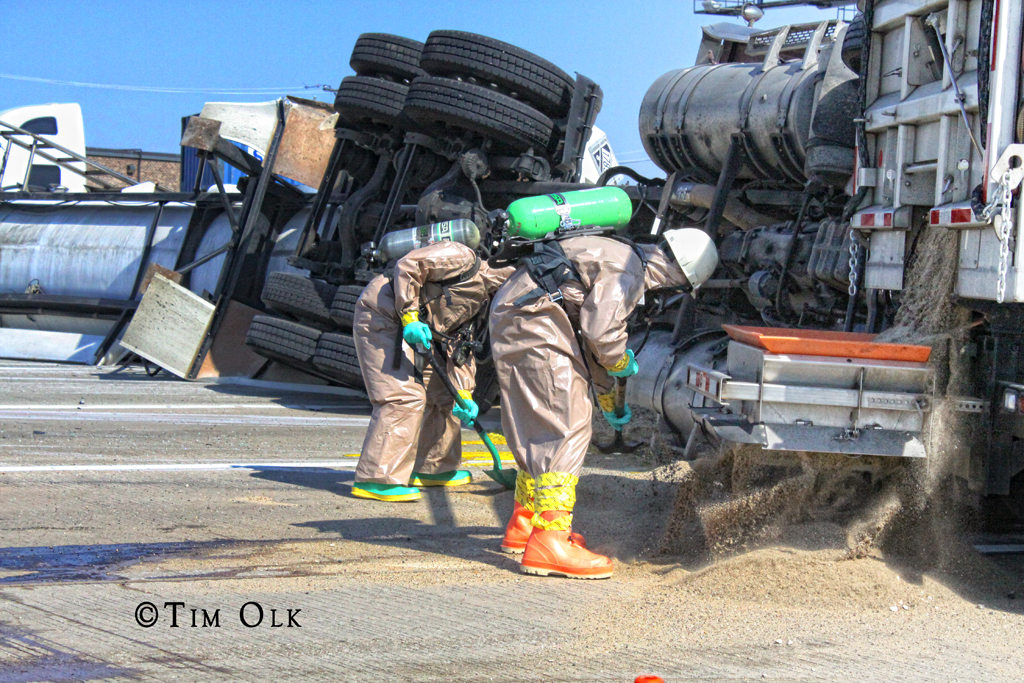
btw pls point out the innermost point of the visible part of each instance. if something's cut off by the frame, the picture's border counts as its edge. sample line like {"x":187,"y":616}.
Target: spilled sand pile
{"x":740,"y":498}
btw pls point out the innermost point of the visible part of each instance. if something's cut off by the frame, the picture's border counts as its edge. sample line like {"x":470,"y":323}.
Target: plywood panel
{"x":169,"y":326}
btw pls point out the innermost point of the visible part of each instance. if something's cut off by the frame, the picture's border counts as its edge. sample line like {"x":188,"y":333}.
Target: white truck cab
{"x":28,"y":169}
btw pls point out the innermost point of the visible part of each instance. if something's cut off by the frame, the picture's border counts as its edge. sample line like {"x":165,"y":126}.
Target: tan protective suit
{"x":546,"y":405}
{"x":412,"y":423}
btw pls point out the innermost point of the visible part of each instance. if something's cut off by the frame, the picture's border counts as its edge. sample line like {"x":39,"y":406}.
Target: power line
{"x":172,"y":91}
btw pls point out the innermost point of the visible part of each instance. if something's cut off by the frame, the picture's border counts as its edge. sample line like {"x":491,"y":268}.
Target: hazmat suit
{"x":412,"y":427}
{"x":544,"y":376}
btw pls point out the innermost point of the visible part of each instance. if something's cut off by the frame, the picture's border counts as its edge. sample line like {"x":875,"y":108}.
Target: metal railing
{"x":733,"y":8}
{"x":37,"y":145}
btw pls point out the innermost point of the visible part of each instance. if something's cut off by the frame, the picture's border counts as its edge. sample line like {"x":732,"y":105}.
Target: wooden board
{"x":228,"y":355}
{"x":169,"y":326}
{"x":825,"y":343}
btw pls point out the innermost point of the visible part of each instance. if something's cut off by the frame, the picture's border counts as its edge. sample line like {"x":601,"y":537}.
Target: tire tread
{"x":362,"y":99}
{"x":432,"y":99}
{"x":282,"y":340}
{"x":336,"y":357}
{"x":384,"y":54}
{"x":534,"y":79}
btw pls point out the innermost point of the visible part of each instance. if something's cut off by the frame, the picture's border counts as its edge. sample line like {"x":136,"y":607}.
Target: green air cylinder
{"x":397,"y":244}
{"x":536,"y":217}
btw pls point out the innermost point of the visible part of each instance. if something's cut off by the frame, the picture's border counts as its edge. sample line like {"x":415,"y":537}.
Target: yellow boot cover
{"x":524,"y":490}
{"x":554,"y":491}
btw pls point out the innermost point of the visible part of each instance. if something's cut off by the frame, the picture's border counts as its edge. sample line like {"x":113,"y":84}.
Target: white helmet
{"x":694,"y":252}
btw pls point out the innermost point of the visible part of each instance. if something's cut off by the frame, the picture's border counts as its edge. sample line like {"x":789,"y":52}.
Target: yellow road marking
{"x":468,"y":457}
{"x":496,"y":439}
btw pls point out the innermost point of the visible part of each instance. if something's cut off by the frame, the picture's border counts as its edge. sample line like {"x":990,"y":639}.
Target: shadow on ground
{"x":333,"y":481}
{"x":27,"y":655}
{"x":622,"y":515}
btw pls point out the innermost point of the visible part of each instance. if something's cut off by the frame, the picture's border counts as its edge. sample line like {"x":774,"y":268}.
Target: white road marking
{"x":173,"y":467}
{"x":87,"y":416}
{"x":96,"y":381}
{"x":167,"y":406}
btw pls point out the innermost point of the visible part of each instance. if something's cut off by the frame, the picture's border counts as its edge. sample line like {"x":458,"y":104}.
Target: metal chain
{"x":1002,"y":200}
{"x":854,"y":274}
{"x":1005,"y":231}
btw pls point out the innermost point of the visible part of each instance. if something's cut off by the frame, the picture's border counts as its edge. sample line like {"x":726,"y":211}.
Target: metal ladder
{"x":37,"y":145}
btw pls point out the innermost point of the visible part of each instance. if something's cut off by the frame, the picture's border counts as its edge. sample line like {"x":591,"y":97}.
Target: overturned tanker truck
{"x":857,"y":178}
{"x":444,"y":131}
{"x":860,"y":181}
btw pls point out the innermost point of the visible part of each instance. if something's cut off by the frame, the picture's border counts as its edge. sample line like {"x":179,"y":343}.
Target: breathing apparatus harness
{"x":465,"y":339}
{"x":548,"y":266}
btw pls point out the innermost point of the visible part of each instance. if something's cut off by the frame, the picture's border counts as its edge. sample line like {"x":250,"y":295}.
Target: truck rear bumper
{"x":852,"y":406}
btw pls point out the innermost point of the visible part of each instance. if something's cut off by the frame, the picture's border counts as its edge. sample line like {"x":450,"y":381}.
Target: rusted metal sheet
{"x":306,"y":144}
{"x":201,"y":133}
{"x":155,"y":268}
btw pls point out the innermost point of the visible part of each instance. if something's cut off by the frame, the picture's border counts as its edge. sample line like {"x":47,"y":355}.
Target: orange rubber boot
{"x":551,"y":552}
{"x":518,"y":530}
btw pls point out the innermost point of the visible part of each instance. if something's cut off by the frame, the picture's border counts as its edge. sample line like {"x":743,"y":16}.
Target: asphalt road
{"x":153,"y":529}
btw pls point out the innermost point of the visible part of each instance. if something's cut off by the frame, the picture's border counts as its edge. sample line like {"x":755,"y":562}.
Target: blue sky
{"x":622,"y":45}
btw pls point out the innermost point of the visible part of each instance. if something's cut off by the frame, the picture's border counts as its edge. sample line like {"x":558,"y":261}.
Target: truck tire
{"x":436,"y":103}
{"x":298,"y":297}
{"x":854,"y":42}
{"x":528,"y":77}
{"x":336,"y":357}
{"x":282,"y":340}
{"x":383,"y":54}
{"x":343,"y":307}
{"x":365,"y":100}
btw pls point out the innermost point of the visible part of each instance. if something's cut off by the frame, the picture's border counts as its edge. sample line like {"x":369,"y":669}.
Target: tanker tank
{"x":791,"y":119}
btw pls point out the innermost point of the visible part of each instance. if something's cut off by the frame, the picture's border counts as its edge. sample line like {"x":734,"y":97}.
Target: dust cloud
{"x":738,"y":499}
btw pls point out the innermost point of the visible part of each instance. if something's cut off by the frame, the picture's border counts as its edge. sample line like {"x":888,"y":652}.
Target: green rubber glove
{"x":617,"y":422}
{"x":417,"y":333}
{"x":626,"y":367}
{"x":470,"y":412}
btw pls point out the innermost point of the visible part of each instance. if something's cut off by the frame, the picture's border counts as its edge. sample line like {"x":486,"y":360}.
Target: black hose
{"x":862,"y":99}
{"x":685,"y":318}
{"x":872,"y":311}
{"x":643,"y":342}
{"x":984,"y":61}
{"x":862,"y":85}
{"x":792,"y":248}
{"x":771,"y":320}
{"x":603,"y":179}
{"x":693,"y":339}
